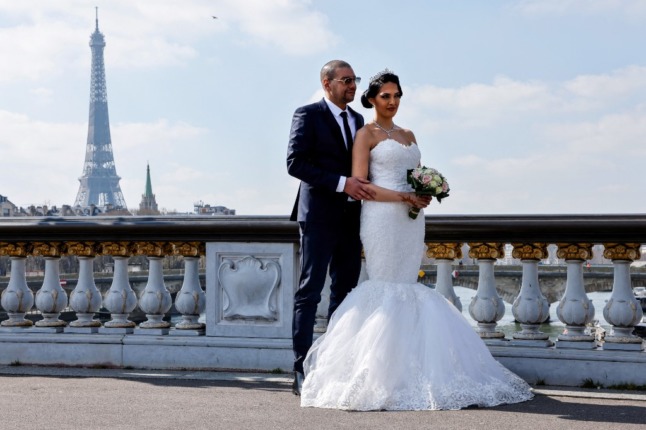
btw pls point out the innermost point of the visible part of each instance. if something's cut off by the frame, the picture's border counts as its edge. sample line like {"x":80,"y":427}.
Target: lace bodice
{"x":389,"y":161}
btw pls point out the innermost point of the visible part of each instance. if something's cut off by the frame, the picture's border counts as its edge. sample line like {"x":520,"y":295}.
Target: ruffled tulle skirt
{"x":393,"y":346}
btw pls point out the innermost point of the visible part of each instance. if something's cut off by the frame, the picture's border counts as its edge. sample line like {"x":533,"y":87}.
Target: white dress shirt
{"x":336,"y":111}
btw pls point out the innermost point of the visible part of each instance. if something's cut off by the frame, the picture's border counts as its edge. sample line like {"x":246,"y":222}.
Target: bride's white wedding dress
{"x":395,"y":344}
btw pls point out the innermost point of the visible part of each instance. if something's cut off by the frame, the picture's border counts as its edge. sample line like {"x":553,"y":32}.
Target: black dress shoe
{"x":297,"y":385}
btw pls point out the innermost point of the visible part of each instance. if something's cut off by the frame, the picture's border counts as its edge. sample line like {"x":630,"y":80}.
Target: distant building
{"x":7,"y":208}
{"x":205,"y":209}
{"x":148,"y":205}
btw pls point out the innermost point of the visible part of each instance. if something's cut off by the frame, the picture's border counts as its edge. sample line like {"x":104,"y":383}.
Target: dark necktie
{"x":346,"y":128}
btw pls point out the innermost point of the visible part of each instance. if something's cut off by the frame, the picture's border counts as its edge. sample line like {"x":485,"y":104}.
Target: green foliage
{"x":589,"y":383}
{"x":628,"y":386}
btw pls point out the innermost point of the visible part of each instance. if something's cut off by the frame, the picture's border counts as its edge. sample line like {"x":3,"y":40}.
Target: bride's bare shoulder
{"x":367,"y":131}
{"x":408,"y":135}
{"x":368,"y":135}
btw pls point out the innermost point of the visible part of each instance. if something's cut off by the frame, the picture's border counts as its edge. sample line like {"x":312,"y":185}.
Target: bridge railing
{"x":251,"y":274}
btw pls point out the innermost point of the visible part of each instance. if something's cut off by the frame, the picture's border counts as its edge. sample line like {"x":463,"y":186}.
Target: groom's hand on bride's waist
{"x":358,"y":189}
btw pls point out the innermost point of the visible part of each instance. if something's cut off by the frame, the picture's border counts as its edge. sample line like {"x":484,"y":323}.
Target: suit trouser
{"x":323,"y":245}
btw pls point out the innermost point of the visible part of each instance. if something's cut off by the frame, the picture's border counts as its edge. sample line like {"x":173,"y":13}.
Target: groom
{"x":328,"y":203}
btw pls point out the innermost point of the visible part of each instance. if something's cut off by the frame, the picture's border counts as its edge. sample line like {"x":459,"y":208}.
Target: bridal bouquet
{"x":427,"y":182}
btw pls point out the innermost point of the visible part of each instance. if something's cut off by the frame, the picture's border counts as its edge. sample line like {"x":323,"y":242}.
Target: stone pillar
{"x":623,"y":310}
{"x":444,"y":254}
{"x":120,"y":299}
{"x":86,"y":298}
{"x":51,"y":299}
{"x":17,"y":299}
{"x":155,"y":299}
{"x":530,"y":308}
{"x":487,"y":307}
{"x":575,"y":310}
{"x":191,"y":299}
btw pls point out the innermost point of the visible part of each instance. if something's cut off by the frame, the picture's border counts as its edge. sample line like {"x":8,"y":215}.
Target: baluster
{"x":487,"y":307}
{"x":120,"y":299}
{"x":51,"y":299}
{"x":17,"y":299}
{"x":623,"y":310}
{"x":530,"y":308}
{"x":575,"y":310}
{"x":86,"y":298}
{"x":155,"y":299}
{"x":444,"y":255}
{"x":190,"y":300}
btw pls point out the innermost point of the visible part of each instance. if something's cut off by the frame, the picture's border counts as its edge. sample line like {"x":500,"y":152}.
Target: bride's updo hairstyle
{"x":376,"y":82}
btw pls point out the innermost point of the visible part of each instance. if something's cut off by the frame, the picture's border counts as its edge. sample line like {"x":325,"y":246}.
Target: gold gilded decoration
{"x":488,"y":250}
{"x":574,"y":251}
{"x":622,"y":251}
{"x":189,"y":249}
{"x":444,"y":251}
{"x":17,"y":249}
{"x":153,"y":249}
{"x":529,"y":251}
{"x":82,"y":249}
{"x":118,"y":249}
{"x":48,"y":249}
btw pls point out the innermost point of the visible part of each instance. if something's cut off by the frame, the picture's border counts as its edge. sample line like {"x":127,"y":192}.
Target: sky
{"x":526,"y":106}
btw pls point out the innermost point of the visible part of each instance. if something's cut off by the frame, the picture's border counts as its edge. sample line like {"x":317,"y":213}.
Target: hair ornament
{"x":386,"y":71}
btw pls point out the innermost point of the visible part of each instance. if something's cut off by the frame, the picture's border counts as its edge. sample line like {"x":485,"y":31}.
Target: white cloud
{"x":47,"y":37}
{"x":615,"y":134}
{"x":562,"y":7}
{"x":618,"y":83}
{"x":506,"y":101}
{"x":481,"y":104}
{"x":575,"y":146}
{"x":291,"y":25}
{"x":35,"y":51}
{"x":46,"y":157}
{"x":158,"y":136}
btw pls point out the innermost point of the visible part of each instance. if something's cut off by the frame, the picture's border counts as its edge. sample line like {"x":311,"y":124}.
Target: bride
{"x":394,"y":344}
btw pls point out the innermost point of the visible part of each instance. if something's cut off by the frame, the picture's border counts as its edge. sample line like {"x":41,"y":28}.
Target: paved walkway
{"x":71,"y":398}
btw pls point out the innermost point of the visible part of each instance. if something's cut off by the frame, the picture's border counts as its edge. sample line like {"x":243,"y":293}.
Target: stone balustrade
{"x":242,"y":316}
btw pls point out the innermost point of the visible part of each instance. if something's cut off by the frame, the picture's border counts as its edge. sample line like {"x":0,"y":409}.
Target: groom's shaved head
{"x":330,"y":67}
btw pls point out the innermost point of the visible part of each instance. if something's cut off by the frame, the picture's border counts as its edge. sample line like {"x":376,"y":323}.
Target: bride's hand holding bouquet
{"x":427,"y":181}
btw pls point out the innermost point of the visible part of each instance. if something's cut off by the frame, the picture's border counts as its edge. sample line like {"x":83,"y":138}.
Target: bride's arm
{"x":363,"y":144}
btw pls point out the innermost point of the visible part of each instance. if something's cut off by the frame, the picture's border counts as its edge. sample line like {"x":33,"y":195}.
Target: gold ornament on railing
{"x":153,"y":249}
{"x":48,"y":249}
{"x":622,"y":251}
{"x":529,"y":251}
{"x":118,"y":249}
{"x":15,"y":249}
{"x":444,"y":251}
{"x":486,"y":250}
{"x":81,"y":249}
{"x":189,"y":249}
{"x":574,"y":251}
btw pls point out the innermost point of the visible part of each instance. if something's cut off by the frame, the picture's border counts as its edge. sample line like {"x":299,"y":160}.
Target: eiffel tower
{"x":99,"y":184}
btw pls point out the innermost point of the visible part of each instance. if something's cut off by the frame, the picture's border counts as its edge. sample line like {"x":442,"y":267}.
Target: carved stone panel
{"x":250,"y":289}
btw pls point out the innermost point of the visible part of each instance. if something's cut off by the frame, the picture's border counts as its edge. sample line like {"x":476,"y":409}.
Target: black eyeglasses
{"x":348,"y":81}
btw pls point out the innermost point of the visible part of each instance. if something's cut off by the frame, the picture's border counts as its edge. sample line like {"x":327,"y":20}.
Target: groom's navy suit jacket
{"x":317,"y":155}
